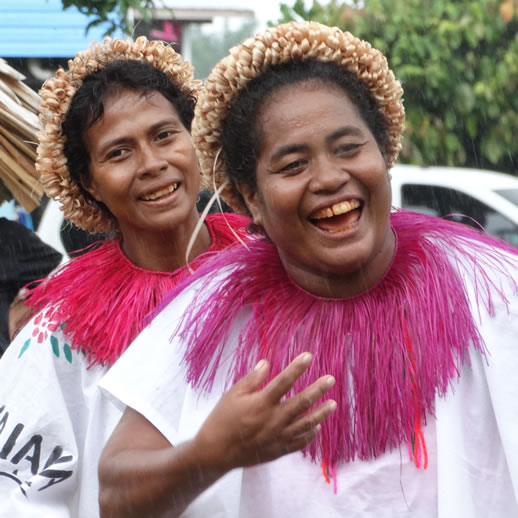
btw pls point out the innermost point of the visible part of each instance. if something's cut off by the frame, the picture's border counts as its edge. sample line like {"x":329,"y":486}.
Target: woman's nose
{"x":328,"y":175}
{"x":150,"y":161}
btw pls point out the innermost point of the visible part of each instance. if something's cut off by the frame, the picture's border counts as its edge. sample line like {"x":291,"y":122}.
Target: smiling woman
{"x":130,"y":125}
{"x":326,"y":185}
{"x":124,"y":137}
{"x":117,"y":154}
{"x":143,"y":167}
{"x":407,"y":322}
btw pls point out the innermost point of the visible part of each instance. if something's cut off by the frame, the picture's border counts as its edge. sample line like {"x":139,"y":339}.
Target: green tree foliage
{"x":115,"y":13}
{"x":458,"y":62}
{"x":332,"y":13}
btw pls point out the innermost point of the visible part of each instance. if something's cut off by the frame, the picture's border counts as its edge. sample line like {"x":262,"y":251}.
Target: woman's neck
{"x":329,"y":285}
{"x":165,"y":250}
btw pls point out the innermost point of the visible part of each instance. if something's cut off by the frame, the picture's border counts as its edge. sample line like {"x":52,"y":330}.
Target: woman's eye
{"x":164,"y":134}
{"x":349,"y":149}
{"x":116,"y":153}
{"x":293,"y":165}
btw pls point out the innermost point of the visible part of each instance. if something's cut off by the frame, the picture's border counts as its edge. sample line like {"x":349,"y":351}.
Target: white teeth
{"x":336,"y":209}
{"x":162,"y":192}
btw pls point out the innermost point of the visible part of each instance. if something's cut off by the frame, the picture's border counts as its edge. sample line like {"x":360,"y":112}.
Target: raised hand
{"x":249,"y":426}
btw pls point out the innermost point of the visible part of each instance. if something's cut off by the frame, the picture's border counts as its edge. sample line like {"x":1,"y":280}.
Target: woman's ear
{"x":90,"y":186}
{"x":251,"y":198}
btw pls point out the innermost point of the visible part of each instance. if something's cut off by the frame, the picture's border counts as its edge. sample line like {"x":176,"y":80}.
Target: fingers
{"x":254,"y":379}
{"x":311,"y":421}
{"x":303,"y":431}
{"x":301,"y":441}
{"x":285,"y":380}
{"x":303,"y":401}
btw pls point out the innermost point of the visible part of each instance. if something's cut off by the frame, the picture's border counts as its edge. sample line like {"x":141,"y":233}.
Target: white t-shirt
{"x":54,"y":423}
{"x":472,"y":444}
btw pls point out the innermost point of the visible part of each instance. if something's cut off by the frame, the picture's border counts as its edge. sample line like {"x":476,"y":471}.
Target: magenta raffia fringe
{"x":382,"y":387}
{"x":103,"y":298}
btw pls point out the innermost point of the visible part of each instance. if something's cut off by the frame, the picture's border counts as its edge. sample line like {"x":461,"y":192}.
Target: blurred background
{"x":457,"y":60}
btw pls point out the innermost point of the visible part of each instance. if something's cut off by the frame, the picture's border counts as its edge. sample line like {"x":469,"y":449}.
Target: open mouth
{"x":161,"y":193}
{"x":338,"y":217}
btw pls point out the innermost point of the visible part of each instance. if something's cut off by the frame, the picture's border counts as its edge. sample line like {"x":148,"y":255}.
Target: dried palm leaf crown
{"x":288,"y":42}
{"x":57,"y":94}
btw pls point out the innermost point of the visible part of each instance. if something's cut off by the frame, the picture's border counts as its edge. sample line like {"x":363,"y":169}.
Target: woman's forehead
{"x":284,"y":91}
{"x":130,"y":113}
{"x":307,"y":104}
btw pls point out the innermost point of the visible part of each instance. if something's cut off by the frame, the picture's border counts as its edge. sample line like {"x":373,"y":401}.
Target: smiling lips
{"x":338,"y":217}
{"x":160,"y":193}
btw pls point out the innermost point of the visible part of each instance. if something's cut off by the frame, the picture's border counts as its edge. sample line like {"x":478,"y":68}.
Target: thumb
{"x":254,"y":379}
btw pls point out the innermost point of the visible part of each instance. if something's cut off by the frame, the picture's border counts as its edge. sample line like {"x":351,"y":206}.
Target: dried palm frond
{"x":19,"y":127}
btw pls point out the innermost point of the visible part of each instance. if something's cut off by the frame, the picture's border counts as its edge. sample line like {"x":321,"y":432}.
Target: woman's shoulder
{"x":227,"y":228}
{"x":88,"y":263}
{"x":232,"y":218}
{"x":75,"y":275}
{"x":43,"y":343}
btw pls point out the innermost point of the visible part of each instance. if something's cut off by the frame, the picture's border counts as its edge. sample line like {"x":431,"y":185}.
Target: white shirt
{"x":54,"y":423}
{"x":472,"y":444}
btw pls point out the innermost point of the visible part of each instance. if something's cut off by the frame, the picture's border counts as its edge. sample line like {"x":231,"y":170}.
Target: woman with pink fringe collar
{"x":407,"y":323}
{"x":116,"y":152}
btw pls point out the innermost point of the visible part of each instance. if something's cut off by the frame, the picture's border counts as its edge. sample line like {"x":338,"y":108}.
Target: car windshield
{"x":509,"y":194}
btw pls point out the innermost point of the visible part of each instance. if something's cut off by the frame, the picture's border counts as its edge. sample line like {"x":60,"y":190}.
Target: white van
{"x":465,"y":195}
